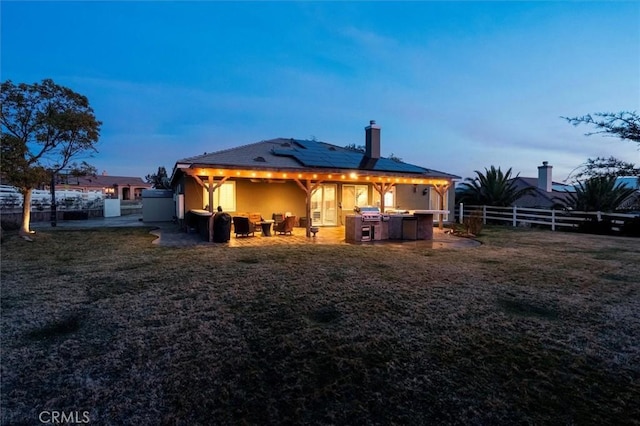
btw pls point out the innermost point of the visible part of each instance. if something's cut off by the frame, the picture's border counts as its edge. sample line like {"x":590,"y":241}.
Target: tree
{"x":624,"y":125}
{"x":159,"y":180}
{"x":354,"y":147}
{"x":395,"y":158}
{"x":493,"y":188}
{"x":44,"y":127}
{"x":598,"y":194}
{"x":604,"y":167}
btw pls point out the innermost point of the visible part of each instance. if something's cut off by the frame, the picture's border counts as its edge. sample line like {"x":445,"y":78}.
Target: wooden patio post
{"x":308,"y":189}
{"x":441,"y":190}
{"x":382,"y":189}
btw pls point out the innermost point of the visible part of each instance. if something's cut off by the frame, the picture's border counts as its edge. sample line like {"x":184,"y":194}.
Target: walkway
{"x":169,"y":235}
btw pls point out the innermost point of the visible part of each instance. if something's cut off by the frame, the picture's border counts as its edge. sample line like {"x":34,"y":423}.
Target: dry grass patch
{"x":531,"y":327}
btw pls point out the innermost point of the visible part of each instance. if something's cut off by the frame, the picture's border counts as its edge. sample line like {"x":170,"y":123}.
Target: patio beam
{"x":308,"y":187}
{"x":382,"y":189}
{"x":441,"y":190}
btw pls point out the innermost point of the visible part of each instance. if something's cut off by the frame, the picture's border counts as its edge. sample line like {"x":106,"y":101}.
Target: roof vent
{"x":260,"y":159}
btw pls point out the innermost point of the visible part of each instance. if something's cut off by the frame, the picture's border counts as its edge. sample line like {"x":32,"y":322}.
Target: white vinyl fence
{"x":12,"y":199}
{"x":521,"y":216}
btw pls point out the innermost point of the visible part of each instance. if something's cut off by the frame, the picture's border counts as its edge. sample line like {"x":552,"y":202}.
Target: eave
{"x":324,"y":175}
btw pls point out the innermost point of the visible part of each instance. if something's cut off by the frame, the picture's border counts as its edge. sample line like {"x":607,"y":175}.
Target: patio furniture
{"x":286,"y":226}
{"x":255,"y":218}
{"x":242,"y":226}
{"x":266,"y":227}
{"x":277,"y":218}
{"x":221,"y":227}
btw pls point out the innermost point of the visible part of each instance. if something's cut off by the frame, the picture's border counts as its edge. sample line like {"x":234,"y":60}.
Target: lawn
{"x":532,"y":327}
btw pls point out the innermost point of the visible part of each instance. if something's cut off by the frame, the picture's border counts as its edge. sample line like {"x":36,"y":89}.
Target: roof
{"x":297,"y":154}
{"x":103,"y":181}
{"x":539,"y":197}
{"x":629,"y":181}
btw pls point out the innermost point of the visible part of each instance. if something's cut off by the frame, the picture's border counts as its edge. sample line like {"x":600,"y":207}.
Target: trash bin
{"x":221,"y":227}
{"x":303,"y":222}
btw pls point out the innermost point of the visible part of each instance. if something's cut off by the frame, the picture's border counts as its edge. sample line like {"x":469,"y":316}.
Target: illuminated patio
{"x":171,"y":236}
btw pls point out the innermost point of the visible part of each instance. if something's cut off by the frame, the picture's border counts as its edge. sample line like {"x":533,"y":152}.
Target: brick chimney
{"x":544,"y":176}
{"x":372,"y":140}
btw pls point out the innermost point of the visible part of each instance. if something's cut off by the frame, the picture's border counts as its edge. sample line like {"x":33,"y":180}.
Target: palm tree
{"x":601,"y":194}
{"x":493,"y":188}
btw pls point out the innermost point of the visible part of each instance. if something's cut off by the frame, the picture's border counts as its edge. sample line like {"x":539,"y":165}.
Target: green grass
{"x":532,"y":327}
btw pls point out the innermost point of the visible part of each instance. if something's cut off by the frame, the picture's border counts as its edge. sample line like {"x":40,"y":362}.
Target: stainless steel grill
{"x":369,"y":213}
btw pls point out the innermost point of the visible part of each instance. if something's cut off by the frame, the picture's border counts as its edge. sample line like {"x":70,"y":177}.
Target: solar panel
{"x":316,"y":154}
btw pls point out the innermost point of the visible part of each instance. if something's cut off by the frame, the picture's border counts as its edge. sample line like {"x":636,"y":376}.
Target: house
{"x":121,"y":187}
{"x":308,"y":179}
{"x":633,"y":201}
{"x":546,"y":193}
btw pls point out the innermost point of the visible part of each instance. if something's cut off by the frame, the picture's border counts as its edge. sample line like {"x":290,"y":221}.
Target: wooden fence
{"x":521,"y":216}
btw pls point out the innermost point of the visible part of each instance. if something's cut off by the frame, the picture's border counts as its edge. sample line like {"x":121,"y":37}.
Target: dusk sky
{"x":455,"y":86}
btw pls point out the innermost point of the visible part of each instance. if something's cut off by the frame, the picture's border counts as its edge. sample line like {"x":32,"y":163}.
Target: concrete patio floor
{"x":170,"y":235}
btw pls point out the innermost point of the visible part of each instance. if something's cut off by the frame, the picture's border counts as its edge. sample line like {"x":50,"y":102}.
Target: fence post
{"x":461,"y":217}
{"x":484,"y":214}
{"x":515,"y":216}
{"x":553,"y":219}
{"x":599,"y":216}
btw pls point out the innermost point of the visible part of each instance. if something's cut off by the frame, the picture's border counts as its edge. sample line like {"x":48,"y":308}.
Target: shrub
{"x":473,"y":223}
{"x":9,"y":225}
{"x":631,"y":227}
{"x":594,"y":226}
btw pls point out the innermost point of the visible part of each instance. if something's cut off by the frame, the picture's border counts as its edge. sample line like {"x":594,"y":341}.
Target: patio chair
{"x":277,"y":218}
{"x":255,"y":218}
{"x":242,"y":226}
{"x":286,"y":226}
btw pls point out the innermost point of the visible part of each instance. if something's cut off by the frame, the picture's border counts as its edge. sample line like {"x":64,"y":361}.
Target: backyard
{"x":531,"y":327}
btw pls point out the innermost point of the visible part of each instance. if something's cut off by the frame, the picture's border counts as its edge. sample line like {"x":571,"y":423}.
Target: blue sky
{"x":455,"y":86}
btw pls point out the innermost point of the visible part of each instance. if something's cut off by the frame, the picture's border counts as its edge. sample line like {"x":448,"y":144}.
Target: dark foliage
{"x":159,"y":180}
{"x":493,"y":188}
{"x":631,"y":227}
{"x":624,"y":125}
{"x":602,"y":194}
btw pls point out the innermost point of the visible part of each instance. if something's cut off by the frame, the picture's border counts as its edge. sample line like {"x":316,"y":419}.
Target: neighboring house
{"x":547,"y":194}
{"x":122,"y":187}
{"x":307,"y":179}
{"x":633,"y":201}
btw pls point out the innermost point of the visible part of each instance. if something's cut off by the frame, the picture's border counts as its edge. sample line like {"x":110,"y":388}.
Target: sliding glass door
{"x":323,"y":205}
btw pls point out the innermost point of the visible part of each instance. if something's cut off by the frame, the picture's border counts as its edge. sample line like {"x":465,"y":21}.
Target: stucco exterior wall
{"x":409,"y":197}
{"x":268,"y":198}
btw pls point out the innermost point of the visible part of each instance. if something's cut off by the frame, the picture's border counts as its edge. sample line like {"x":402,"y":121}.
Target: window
{"x":354,"y":195}
{"x":389,"y":198}
{"x":224,"y":196}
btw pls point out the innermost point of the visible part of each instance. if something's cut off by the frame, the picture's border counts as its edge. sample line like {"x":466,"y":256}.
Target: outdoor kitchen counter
{"x":397,"y":227}
{"x":199,"y":219}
